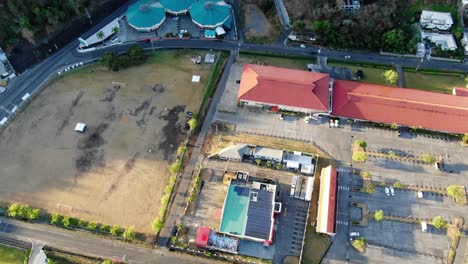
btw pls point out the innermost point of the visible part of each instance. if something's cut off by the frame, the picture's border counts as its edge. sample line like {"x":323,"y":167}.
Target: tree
{"x":268,"y":164}
{"x":393,"y":125}
{"x":105,"y":228}
{"x":370,"y":188}
{"x":366,"y":175}
{"x":92,"y":226}
{"x":181,"y":150}
{"x":100,"y":35}
{"x":107,"y":261}
{"x":33,"y":214}
{"x":50,"y":261}
{"x":278,"y":166}
{"x":14,"y":210}
{"x":455,"y":191}
{"x":108,"y":59}
{"x":175,"y":167}
{"x":390,"y":76}
{"x":438,"y":222}
{"x":193,"y":122}
{"x":395,"y":41}
{"x":115,"y":30}
{"x":157,"y":224}
{"x":360,"y":143}
{"x":55,"y":219}
{"x":137,"y":55}
{"x":129,"y":233}
{"x":69,"y":221}
{"x":428,"y":158}
{"x":379,"y":215}
{"x":115,"y":230}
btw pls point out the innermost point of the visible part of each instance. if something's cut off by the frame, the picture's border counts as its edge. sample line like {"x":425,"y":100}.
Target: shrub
{"x":278,"y":166}
{"x":56,"y":219}
{"x":116,"y":230}
{"x":107,"y":261}
{"x":193,"y":122}
{"x":428,"y":158}
{"x":451,"y":256}
{"x":258,"y":161}
{"x":33,"y":214}
{"x":366,"y":175}
{"x":379,"y":215}
{"x":23,"y":211}
{"x":393,"y":126}
{"x":390,"y":76}
{"x":465,"y":138}
{"x":175,"y":167}
{"x":360,"y":244}
{"x":392,"y":154}
{"x":456,"y":191}
{"x":370,"y":188}
{"x":129,"y":233}
{"x":359,"y":156}
{"x":399,"y":185}
{"x":69,"y":221}
{"x":268,"y":164}
{"x":181,"y":150}
{"x":438,"y":222}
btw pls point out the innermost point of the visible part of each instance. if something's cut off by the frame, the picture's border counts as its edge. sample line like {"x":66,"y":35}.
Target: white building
{"x":444,"y":41}
{"x":436,"y":20}
{"x":270,"y":154}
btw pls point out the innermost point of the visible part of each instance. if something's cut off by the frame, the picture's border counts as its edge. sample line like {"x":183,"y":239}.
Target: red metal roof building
{"x":408,"y":107}
{"x":286,"y":89}
{"x":327,"y":202}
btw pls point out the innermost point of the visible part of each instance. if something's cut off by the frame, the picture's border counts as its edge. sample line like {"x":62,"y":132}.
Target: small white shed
{"x":80,"y":127}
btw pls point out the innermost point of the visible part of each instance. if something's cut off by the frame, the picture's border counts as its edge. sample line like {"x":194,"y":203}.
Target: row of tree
{"x":113,"y":61}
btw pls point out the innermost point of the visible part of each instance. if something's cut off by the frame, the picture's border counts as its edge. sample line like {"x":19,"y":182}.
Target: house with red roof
{"x":285,"y":89}
{"x":403,"y":106}
{"x":326,"y":213}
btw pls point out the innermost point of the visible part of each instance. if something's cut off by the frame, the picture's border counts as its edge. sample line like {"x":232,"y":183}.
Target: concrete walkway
{"x":176,"y":211}
{"x":401,"y":75}
{"x":283,"y":14}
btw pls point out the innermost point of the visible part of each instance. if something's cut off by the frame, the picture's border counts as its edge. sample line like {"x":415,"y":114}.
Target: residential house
{"x":444,"y":41}
{"x":235,"y":152}
{"x":436,"y":20}
{"x":270,"y":154}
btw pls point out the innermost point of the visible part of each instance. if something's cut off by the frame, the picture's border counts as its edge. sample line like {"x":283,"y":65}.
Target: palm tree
{"x":115,"y":30}
{"x":100,"y":35}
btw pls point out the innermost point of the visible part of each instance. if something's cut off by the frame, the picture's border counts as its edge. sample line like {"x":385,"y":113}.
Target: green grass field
{"x":371,"y":74}
{"x":10,"y":255}
{"x":441,"y":83}
{"x":315,"y":247}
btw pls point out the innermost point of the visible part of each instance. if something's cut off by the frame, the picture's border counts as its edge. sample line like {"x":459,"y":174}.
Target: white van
{"x":424,"y":226}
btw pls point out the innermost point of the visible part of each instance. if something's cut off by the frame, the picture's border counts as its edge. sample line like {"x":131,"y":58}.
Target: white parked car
{"x":392,"y":191}
{"x":2,"y":89}
{"x":303,"y":46}
{"x":387,"y":191}
{"x":347,"y":57}
{"x":353,"y":235}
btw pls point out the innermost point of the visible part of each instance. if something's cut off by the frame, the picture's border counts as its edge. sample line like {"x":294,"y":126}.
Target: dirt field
{"x":256,"y":23}
{"x":107,"y":174}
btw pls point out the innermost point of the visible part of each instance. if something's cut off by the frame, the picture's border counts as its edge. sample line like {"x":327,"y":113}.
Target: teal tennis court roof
{"x":146,"y":15}
{"x":210,"y":13}
{"x":177,"y":6}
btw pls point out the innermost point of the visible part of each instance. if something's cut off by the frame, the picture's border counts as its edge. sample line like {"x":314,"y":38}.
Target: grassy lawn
{"x":371,"y":75}
{"x":442,"y":83}
{"x":315,"y":247}
{"x":293,"y":63}
{"x":65,"y":258}
{"x":9,"y":255}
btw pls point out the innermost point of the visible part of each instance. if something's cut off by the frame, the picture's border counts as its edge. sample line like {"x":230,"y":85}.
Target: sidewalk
{"x":176,"y":211}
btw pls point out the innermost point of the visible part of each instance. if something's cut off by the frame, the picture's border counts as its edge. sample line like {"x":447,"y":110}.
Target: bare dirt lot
{"x":256,"y":23}
{"x":107,"y":174}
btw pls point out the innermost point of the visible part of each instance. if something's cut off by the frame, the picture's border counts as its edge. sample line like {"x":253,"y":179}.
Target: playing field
{"x":9,"y":255}
{"x":115,"y":172}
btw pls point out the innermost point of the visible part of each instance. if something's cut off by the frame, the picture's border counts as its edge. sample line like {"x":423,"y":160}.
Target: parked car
{"x":303,"y":46}
{"x":347,"y":57}
{"x":392,"y":191}
{"x":2,"y":89}
{"x":387,"y":191}
{"x":353,"y":235}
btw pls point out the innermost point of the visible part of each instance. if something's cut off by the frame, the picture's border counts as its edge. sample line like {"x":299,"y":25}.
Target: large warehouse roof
{"x":280,"y":86}
{"x":210,"y":13}
{"x":408,"y":107}
{"x":146,"y":15}
{"x":177,"y":6}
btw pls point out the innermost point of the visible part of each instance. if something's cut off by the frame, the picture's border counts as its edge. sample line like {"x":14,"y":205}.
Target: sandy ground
{"x":106,"y":174}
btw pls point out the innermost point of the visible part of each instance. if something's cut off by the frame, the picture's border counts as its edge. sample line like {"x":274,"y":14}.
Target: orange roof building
{"x":286,"y":89}
{"x":407,"y":107}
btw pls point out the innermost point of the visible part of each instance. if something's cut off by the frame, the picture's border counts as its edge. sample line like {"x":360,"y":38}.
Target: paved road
{"x":85,"y":244}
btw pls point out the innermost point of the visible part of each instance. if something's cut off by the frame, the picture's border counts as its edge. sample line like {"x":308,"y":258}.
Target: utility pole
{"x":420,"y":62}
